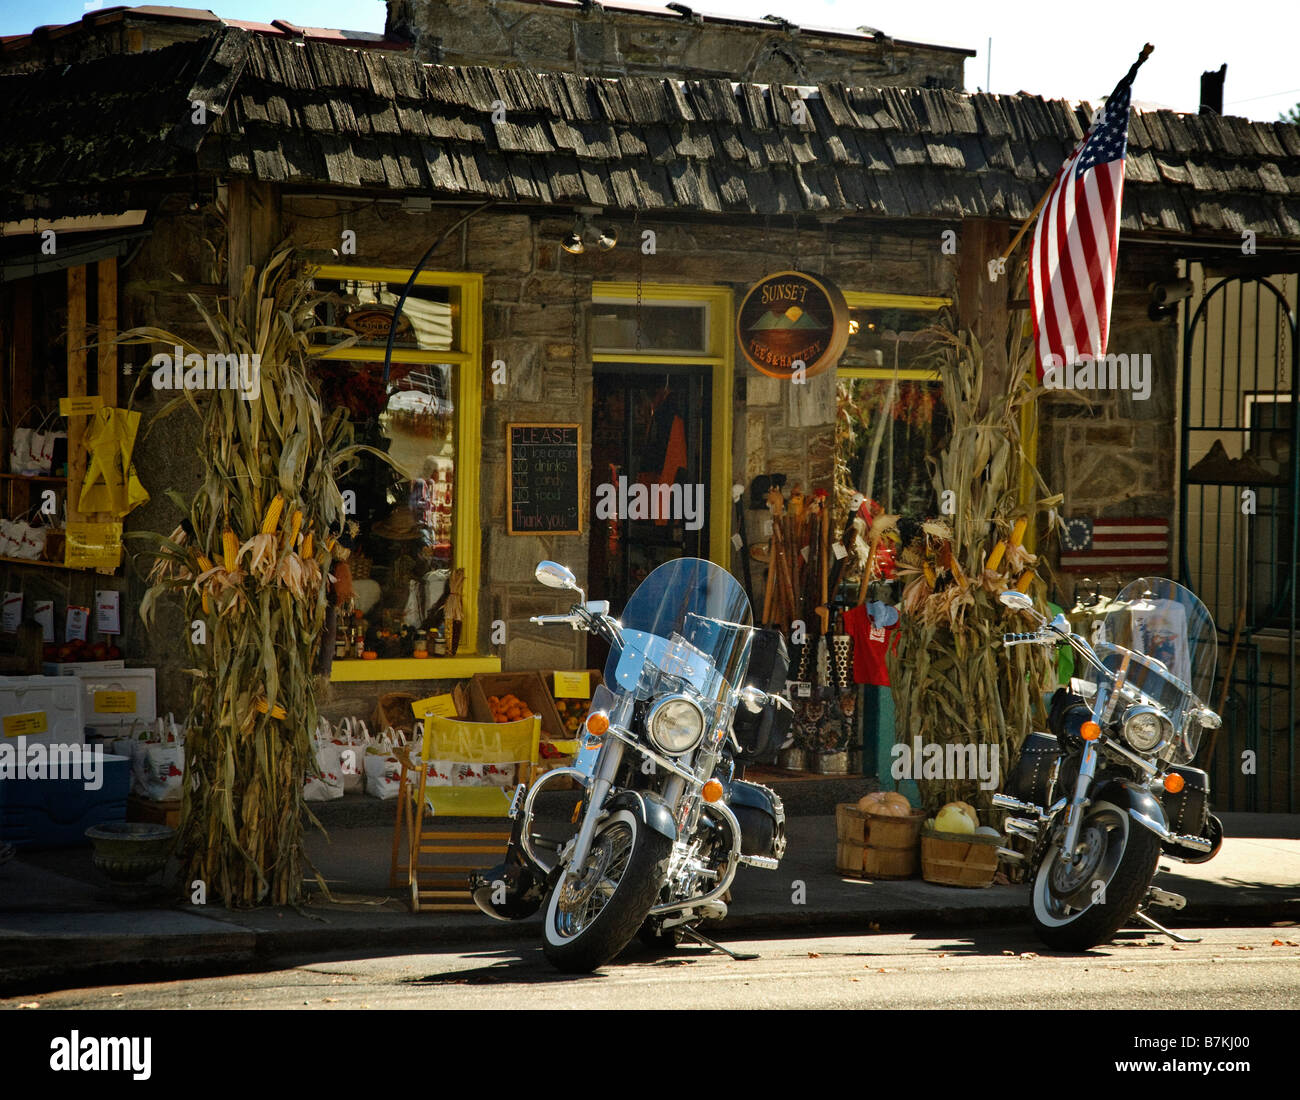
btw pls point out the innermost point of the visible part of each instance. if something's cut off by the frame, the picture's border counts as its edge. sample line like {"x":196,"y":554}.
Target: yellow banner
{"x":444,"y":706}
{"x":572,"y":685}
{"x":18,"y":725}
{"x":114,"y":702}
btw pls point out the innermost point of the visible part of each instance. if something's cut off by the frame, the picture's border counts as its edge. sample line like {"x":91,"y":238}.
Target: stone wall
{"x":1113,"y":457}
{"x":596,"y":41}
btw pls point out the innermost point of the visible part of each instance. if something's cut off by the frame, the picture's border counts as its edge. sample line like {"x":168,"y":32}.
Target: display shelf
{"x":352,"y":670}
{"x":43,"y":562}
{"x":33,"y":477}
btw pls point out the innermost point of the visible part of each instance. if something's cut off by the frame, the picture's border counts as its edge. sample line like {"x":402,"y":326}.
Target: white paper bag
{"x":383,"y":772}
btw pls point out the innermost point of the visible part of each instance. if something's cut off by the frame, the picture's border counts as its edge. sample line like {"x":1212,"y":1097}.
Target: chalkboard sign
{"x":544,"y":479}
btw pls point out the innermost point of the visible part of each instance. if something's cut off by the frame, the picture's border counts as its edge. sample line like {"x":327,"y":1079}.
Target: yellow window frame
{"x":719,"y":357}
{"x":467,"y":539}
{"x":1028,"y":415}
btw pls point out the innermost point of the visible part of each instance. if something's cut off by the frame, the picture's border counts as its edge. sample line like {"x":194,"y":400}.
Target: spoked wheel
{"x":1081,"y":904}
{"x":590,"y":919}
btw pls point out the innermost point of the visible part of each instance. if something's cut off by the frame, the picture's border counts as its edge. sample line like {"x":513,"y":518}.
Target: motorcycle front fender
{"x":1131,"y":798}
{"x":649,"y":809}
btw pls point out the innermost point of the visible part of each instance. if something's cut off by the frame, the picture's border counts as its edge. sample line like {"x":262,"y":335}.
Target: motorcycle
{"x":665,"y":819}
{"x":1111,"y":787}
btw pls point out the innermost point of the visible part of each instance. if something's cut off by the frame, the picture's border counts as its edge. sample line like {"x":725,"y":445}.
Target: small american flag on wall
{"x":1115,"y":545}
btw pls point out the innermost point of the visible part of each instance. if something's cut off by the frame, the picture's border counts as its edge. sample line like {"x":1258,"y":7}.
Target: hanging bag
{"x":20,"y":445}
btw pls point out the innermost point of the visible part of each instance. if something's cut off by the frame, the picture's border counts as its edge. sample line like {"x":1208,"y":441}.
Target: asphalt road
{"x":1232,"y":968}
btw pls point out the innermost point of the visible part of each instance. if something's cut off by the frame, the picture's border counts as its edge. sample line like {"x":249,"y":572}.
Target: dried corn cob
{"x":995,"y":556}
{"x":1018,"y":532}
{"x":205,"y":563}
{"x":272,"y":516}
{"x":307,"y":546}
{"x":295,"y":525}
{"x":1026,"y":579}
{"x":229,"y":549}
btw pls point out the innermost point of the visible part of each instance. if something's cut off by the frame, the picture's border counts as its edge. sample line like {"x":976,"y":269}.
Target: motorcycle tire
{"x":1124,"y":890}
{"x":623,"y":913}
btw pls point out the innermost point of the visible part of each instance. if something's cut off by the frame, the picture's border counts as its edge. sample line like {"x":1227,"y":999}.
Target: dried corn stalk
{"x":272,"y":465}
{"x":953,"y":683}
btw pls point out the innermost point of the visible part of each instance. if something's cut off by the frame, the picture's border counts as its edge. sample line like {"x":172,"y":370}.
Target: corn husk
{"x":253,"y":703}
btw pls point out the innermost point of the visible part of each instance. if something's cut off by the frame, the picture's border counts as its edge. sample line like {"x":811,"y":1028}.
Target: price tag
{"x":737,"y":541}
{"x":74,"y":628}
{"x":44,"y":615}
{"x":20,"y":725}
{"x":13,"y":613}
{"x":80,"y":406}
{"x":767,"y":525}
{"x":803,"y":689}
{"x":839,"y":551}
{"x":804,"y":552}
{"x":572,"y":685}
{"x":114,"y":702}
{"x":443,"y":706}
{"x":108,"y":611}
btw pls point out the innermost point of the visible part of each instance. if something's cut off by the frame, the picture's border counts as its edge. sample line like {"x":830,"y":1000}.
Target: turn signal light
{"x":712,"y":791}
{"x":1090,"y":731}
{"x":597,"y":723}
{"x":1173,"y":782}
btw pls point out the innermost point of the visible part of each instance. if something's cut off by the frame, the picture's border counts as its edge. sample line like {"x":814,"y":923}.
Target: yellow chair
{"x":513,"y":745}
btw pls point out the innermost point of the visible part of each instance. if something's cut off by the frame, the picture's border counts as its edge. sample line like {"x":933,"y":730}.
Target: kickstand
{"x":702,"y":938}
{"x":1147,"y":920}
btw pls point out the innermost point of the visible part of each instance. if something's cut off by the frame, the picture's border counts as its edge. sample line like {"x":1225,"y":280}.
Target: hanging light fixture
{"x":584,"y":233}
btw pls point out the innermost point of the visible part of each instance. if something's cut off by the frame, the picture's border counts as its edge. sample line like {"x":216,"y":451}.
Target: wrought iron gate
{"x":1238,"y":514}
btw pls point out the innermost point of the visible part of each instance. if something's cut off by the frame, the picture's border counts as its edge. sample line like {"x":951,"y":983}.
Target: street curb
{"x":213,"y":952}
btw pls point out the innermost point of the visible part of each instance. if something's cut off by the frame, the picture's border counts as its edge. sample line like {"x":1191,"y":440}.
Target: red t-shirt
{"x":871,"y":644}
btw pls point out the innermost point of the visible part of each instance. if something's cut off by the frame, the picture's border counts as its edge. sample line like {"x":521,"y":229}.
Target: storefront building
{"x":534,"y":385}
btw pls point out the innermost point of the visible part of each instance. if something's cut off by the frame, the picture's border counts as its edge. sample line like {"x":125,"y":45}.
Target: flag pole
{"x":1146,"y":52}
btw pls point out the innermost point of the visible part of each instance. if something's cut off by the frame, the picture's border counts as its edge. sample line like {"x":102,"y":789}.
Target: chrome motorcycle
{"x":691,"y":691}
{"x":1111,"y":788}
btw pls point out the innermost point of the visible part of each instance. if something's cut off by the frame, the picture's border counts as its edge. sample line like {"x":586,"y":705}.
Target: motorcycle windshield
{"x":690,"y":619}
{"x":1169,"y":638}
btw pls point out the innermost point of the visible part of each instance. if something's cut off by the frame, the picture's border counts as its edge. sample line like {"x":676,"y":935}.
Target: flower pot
{"x":129,"y":853}
{"x":794,"y":760}
{"x":831,"y":763}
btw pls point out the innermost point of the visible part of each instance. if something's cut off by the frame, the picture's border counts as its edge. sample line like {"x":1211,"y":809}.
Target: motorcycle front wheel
{"x":590,"y":920}
{"x":1076,"y":907}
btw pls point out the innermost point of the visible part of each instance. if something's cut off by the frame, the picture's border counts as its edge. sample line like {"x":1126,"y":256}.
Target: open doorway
{"x":650,"y":444}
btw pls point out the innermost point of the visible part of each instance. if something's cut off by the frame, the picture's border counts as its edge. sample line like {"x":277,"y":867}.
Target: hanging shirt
{"x":871,"y":645}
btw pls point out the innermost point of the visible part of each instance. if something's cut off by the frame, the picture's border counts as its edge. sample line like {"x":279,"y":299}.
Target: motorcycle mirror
{"x":1020,"y":601}
{"x":554,"y":575}
{"x":1061,"y":624}
{"x":598,"y":607}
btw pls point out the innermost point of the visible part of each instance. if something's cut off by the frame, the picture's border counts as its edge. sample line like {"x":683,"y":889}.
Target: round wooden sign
{"x":793,"y":323}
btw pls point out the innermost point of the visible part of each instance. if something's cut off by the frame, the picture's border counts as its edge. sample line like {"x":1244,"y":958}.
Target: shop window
{"x":891,"y":416}
{"x":416,"y":517}
{"x":667,"y":328}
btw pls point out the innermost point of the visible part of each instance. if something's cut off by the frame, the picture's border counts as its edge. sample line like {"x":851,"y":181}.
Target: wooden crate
{"x":950,"y":859}
{"x":153,"y":813}
{"x":526,"y":686}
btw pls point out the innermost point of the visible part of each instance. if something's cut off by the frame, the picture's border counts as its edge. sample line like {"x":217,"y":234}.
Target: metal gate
{"x":1238,"y":513}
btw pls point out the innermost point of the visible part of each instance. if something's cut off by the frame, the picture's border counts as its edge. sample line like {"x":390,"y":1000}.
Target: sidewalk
{"x":57,"y":922}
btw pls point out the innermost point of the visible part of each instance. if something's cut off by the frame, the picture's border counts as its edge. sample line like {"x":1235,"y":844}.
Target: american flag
{"x":1076,"y":240}
{"x":1115,"y":545}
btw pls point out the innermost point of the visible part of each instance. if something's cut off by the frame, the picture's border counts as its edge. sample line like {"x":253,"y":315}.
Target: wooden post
{"x":106,"y":270}
{"x":253,"y":218}
{"x":76,"y":387}
{"x":982,"y":303}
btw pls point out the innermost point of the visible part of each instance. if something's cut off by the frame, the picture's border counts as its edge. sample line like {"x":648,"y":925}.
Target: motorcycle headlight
{"x":1146,"y":728}
{"x":675,"y":724}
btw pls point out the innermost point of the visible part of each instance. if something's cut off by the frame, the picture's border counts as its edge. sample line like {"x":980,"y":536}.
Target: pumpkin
{"x":953,"y":819}
{"x":969,"y":811}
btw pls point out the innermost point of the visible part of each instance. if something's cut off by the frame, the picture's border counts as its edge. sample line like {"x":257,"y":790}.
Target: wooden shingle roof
{"x":313,"y":113}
